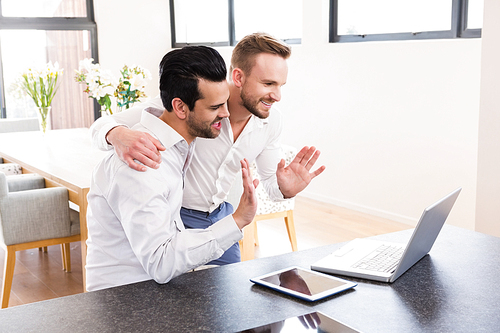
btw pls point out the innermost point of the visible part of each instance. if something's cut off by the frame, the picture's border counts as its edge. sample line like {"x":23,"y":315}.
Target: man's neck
{"x":171,"y":119}
{"x":238,"y":114}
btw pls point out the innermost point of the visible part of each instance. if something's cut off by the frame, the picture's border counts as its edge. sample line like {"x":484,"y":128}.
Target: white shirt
{"x":135,"y":232}
{"x":216,"y":162}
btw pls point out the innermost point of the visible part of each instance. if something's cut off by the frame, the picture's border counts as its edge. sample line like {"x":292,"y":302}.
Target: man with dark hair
{"x":135,"y":231}
{"x":258,"y":71}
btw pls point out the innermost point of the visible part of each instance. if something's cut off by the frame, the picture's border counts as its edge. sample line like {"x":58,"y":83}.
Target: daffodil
{"x":41,"y":84}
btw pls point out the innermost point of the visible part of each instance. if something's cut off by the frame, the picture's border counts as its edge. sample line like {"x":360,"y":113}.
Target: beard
{"x":202,"y":129}
{"x":251,"y":104}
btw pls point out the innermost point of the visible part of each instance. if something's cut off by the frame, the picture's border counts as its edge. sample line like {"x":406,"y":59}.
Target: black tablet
{"x":304,"y":283}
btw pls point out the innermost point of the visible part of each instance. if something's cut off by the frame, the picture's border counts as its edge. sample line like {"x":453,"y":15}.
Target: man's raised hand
{"x":296,"y":176}
{"x":247,"y":208}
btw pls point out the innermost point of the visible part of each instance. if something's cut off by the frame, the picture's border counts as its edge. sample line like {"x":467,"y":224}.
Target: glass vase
{"x":44,"y":118}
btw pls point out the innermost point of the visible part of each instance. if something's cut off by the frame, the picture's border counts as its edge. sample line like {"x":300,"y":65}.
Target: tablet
{"x":303,"y":283}
{"x":316,"y":321}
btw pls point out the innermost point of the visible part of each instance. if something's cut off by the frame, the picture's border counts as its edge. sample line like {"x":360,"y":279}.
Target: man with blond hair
{"x":258,"y":71}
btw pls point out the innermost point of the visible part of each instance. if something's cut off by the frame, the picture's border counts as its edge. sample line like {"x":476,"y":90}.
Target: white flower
{"x":92,"y":77}
{"x":41,"y":83}
{"x":147,"y":74}
{"x":102,"y":85}
{"x":93,"y":87}
{"x":106,"y":77}
{"x":86,"y":64}
{"x":137,"y":82}
{"x":54,"y":70}
{"x":101,"y":91}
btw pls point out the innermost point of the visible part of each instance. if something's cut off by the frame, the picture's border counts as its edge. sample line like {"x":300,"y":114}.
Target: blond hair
{"x":250,"y":46}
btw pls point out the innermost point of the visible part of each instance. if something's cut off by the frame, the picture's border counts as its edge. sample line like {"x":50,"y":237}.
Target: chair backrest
{"x":234,"y":194}
{"x":4,"y":187}
{"x":289,"y":154}
{"x":24,"y":182}
{"x":33,"y":215}
{"x":11,"y":169}
{"x":19,"y":125}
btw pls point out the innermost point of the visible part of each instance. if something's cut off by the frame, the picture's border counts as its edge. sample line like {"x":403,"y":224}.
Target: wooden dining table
{"x":63,"y":157}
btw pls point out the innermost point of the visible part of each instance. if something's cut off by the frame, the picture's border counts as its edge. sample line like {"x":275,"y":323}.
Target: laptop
{"x":386,"y":261}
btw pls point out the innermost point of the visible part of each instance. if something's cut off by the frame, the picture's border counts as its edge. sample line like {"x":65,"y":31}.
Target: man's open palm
{"x":296,"y":176}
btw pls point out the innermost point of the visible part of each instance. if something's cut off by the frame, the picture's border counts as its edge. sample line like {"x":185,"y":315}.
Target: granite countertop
{"x":441,"y":293}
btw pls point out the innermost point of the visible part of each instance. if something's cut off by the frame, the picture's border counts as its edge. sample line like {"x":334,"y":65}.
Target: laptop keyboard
{"x":385,"y":258}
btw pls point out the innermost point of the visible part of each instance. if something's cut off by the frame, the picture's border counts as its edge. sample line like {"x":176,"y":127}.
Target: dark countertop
{"x":441,"y":293}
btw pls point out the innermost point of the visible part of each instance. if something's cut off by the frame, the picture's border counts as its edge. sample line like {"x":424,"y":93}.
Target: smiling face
{"x":262,"y":87}
{"x":204,"y":120}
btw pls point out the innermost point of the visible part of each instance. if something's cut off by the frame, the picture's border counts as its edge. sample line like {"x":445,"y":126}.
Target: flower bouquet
{"x":131,"y":86}
{"x":102,"y":85}
{"x":41,"y":85}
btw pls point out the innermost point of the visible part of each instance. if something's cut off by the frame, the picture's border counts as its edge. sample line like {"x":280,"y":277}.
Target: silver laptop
{"x":386,"y":261}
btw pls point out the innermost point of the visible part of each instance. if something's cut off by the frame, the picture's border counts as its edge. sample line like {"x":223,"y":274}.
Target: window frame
{"x":465,"y":32}
{"x":231,"y":30}
{"x":458,"y":28}
{"x":51,"y":23}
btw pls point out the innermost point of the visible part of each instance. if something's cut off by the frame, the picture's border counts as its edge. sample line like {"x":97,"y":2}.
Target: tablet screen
{"x":304,"y":283}
{"x":312,"y":321}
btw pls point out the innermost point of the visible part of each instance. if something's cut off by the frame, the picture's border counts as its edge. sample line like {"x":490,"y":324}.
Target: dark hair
{"x":181,"y":69}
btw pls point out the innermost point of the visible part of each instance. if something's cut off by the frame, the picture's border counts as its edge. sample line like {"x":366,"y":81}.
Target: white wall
{"x":488,"y":185}
{"x":133,"y":33}
{"x":397,"y":122}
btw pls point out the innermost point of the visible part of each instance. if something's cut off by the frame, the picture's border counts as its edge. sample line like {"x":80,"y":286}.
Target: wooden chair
{"x":268,"y":209}
{"x":31,"y":217}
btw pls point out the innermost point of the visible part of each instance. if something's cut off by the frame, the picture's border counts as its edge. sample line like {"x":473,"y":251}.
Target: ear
{"x":238,"y":77}
{"x":179,"y":108}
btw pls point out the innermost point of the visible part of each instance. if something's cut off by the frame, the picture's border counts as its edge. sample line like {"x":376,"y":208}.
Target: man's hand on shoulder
{"x":131,"y":145}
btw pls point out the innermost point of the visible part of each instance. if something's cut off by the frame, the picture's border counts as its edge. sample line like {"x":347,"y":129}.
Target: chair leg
{"x":290,"y":228}
{"x":67,"y":255}
{"x":63,"y":256}
{"x":10,"y":262}
{"x":255,"y":235}
{"x":247,"y":244}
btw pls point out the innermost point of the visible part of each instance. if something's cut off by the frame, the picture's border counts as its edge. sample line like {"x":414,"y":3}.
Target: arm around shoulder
{"x":101,"y":127}
{"x":130,"y":146}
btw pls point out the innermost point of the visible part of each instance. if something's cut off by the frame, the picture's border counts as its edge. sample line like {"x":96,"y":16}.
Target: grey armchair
{"x":32,"y":216}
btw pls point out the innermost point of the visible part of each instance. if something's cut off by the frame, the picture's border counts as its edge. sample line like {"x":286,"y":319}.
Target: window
{"x":367,"y":20}
{"x":224,"y":22}
{"x":35,"y":32}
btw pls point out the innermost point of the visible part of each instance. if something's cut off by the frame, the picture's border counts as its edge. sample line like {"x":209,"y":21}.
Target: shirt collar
{"x":256,"y":122}
{"x":166,"y":134}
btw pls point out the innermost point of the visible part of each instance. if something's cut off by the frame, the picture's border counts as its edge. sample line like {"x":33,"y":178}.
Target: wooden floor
{"x":39,"y":276}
